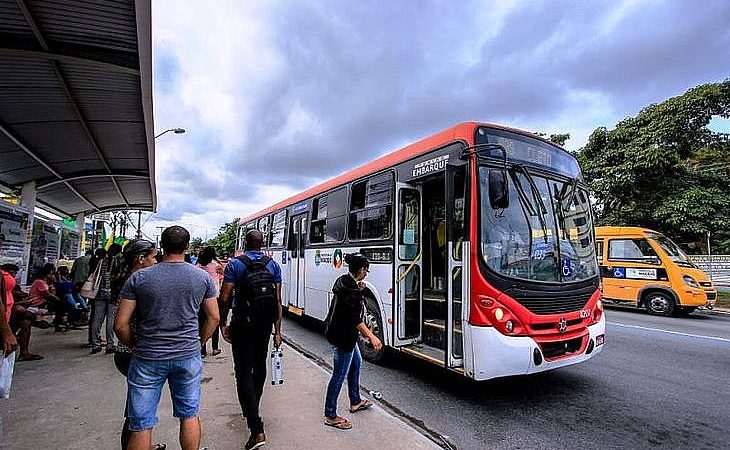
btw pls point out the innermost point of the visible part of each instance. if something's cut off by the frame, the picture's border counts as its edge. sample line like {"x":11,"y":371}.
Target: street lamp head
{"x":174,"y":130}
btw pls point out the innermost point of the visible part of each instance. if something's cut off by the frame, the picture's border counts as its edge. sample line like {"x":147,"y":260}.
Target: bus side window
{"x":329,"y":214}
{"x":371,"y":208}
{"x":278,"y":228}
{"x":637,"y":250}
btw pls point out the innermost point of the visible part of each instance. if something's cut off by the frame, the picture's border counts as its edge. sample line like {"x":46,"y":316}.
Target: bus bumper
{"x":496,"y":355}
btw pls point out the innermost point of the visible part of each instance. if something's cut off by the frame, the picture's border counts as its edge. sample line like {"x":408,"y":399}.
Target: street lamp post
{"x":139,"y":212}
{"x":174,"y":130}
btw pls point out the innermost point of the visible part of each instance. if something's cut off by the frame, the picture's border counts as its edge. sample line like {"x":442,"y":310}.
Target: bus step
{"x":430,"y":354}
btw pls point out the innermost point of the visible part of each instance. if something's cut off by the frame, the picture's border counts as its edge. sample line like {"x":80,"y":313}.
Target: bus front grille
{"x":552,"y":350}
{"x":554,"y":305}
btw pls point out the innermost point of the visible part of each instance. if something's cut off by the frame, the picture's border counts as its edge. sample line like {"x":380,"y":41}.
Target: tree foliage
{"x":225,"y":241}
{"x":664,"y":169}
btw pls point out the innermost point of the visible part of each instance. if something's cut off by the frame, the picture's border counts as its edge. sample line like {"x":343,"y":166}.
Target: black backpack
{"x":256,"y":300}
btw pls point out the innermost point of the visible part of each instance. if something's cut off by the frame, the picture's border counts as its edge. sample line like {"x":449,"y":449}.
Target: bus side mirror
{"x":498,"y":189}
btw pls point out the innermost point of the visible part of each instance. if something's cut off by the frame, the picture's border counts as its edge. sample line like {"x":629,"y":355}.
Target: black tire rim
{"x":659,"y":303}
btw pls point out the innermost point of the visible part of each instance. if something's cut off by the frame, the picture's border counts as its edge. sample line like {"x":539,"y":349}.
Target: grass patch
{"x":723,"y":300}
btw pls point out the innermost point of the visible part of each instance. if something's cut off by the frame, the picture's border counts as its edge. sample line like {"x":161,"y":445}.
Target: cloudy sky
{"x":277,"y":96}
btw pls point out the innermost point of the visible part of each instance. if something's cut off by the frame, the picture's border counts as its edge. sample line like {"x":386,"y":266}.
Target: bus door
{"x":407,"y":314}
{"x":457,"y":263}
{"x":295,"y":248}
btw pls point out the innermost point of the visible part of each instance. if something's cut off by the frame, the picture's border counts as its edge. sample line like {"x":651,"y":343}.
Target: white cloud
{"x":278,"y":95}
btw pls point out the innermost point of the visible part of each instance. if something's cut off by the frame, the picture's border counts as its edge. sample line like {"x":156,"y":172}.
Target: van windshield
{"x":671,"y":249}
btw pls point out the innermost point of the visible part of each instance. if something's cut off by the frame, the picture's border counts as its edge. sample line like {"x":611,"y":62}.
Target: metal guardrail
{"x":716,"y":266}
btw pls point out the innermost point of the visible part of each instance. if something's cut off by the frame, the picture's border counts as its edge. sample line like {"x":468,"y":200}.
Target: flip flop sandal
{"x":30,"y":358}
{"x":159,"y":447}
{"x":342,"y":424}
{"x":362,"y":406}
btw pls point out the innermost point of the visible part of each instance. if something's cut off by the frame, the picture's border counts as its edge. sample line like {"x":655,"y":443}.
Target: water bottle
{"x":276,"y":366}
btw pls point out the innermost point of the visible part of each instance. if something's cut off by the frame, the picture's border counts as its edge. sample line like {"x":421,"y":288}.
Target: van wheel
{"x":659,"y":304}
{"x":374,"y":322}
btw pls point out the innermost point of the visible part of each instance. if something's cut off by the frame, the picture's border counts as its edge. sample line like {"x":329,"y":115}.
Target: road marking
{"x":658,"y":330}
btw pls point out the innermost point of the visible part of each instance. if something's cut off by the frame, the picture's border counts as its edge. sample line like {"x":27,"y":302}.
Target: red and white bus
{"x":481,"y":245}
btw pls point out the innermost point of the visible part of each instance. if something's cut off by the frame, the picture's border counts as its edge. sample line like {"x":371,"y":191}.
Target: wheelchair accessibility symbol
{"x":619,"y":272}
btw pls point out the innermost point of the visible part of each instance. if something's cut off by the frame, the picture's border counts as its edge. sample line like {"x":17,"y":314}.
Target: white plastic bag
{"x":276,"y":366}
{"x":6,"y":374}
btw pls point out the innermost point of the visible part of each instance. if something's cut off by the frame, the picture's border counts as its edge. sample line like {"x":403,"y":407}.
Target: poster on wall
{"x":69,"y":244}
{"x":13,"y":229}
{"x":44,"y":247}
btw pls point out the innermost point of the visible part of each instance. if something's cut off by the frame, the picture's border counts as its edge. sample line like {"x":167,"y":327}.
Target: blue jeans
{"x":145,"y":380}
{"x":346,"y":365}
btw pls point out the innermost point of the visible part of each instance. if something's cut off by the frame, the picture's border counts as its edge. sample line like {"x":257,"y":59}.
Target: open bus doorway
{"x":421,"y":312}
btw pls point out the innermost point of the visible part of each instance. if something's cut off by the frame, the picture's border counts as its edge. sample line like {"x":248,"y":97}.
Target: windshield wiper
{"x":524,"y":200}
{"x":542,"y":209}
{"x":573,"y":191}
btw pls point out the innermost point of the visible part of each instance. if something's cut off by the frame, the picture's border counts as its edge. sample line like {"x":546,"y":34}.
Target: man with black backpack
{"x":256,"y":279}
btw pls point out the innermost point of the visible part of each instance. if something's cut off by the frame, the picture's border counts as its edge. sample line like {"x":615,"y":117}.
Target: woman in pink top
{"x":7,"y":337}
{"x":208,"y":261}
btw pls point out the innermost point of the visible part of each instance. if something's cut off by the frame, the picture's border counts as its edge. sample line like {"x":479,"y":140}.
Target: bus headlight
{"x":498,"y":313}
{"x":689,"y":281}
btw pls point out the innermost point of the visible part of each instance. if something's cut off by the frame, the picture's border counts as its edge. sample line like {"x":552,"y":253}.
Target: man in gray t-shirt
{"x":164,"y":301}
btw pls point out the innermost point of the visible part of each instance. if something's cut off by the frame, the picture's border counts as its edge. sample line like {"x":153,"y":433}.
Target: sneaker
{"x":95,"y":349}
{"x":256,"y":441}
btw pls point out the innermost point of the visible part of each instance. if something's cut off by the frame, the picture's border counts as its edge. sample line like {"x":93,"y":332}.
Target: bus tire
{"x":659,"y":303}
{"x":373,"y":321}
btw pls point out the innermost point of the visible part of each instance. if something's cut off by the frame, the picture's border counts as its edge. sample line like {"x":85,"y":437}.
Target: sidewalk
{"x":73,"y":400}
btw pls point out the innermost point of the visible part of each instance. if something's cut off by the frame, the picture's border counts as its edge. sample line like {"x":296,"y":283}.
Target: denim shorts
{"x":145,"y":380}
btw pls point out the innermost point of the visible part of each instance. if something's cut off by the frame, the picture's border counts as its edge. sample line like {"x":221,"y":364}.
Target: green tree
{"x":664,"y":169}
{"x":196,"y":243}
{"x":558,"y":139}
{"x":225,"y":241}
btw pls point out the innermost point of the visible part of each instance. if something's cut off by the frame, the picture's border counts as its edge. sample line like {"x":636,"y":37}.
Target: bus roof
{"x":463,"y":131}
{"x":621,"y":231}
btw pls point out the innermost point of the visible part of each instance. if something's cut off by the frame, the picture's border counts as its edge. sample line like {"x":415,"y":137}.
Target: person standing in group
{"x":344,"y":323}
{"x":80,"y":270}
{"x":105,"y":306}
{"x":256,"y":307}
{"x":137,"y":254}
{"x":97,"y":257}
{"x":208,"y":261}
{"x":163,"y":301}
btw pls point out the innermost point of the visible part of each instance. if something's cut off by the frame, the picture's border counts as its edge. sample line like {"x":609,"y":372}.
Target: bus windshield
{"x":546,"y":232}
{"x":671,"y":249}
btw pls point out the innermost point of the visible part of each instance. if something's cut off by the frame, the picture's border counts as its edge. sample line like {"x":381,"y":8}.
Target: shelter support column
{"x":27,"y":200}
{"x":81,"y":229}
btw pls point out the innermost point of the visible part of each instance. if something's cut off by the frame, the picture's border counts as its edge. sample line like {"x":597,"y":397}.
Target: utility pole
{"x":709,"y":253}
{"x":139,"y":224}
{"x":159,"y":229}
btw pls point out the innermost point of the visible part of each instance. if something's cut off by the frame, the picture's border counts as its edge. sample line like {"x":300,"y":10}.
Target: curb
{"x":414,"y":422}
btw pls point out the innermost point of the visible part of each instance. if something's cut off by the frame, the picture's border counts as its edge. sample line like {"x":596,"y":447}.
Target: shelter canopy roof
{"x":76,"y":103}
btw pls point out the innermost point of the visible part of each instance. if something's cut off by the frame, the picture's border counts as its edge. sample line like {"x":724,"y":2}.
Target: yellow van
{"x":646,"y":269}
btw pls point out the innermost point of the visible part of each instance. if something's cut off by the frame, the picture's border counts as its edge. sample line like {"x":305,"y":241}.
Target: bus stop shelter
{"x":76,"y":118}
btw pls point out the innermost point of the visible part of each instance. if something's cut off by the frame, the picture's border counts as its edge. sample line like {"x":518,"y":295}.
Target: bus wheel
{"x":659,"y":304}
{"x":375,"y":323}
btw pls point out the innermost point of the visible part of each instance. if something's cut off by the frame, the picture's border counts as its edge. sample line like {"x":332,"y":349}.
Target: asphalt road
{"x":659,"y":383}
